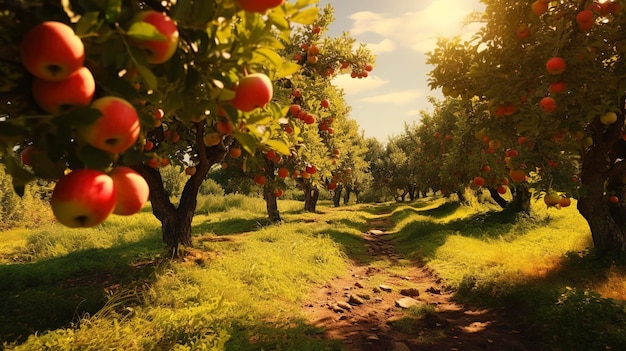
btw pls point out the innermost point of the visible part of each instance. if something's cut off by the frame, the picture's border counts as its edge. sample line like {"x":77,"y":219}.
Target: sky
{"x":398,"y":33}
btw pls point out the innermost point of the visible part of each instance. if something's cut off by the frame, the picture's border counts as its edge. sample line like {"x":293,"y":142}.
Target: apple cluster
{"x":53,"y":53}
{"x":86,"y":197}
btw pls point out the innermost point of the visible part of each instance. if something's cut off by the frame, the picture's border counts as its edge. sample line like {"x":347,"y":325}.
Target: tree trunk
{"x":346,"y":196}
{"x":412,"y":190}
{"x":495,"y":195}
{"x":337,"y":195}
{"x":521,"y":198}
{"x":600,"y":164}
{"x":311,"y":194}
{"x":176,"y":221}
{"x":268,"y":193}
{"x":461,"y":195}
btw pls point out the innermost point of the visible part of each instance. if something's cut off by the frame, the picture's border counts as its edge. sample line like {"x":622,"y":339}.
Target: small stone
{"x":355,"y":300}
{"x":373,"y":338}
{"x":406,"y":302}
{"x":376,"y":290}
{"x":364,"y":296}
{"x":337,"y":309}
{"x":344,"y":305}
{"x":376,"y":232}
{"x":412,"y":292}
{"x":433,"y":290}
{"x":385,"y":288}
{"x":358,"y":285}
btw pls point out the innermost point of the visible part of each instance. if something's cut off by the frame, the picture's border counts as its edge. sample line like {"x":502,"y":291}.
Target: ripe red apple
{"x":557,"y":87}
{"x":501,"y":189}
{"x":539,"y":7}
{"x":517,"y":175}
{"x":310,"y":169}
{"x":278,"y":192}
{"x":83,"y":198}
{"x":555,"y":65}
{"x":325,"y":103}
{"x":159,"y":51}
{"x":148,"y":146}
{"x":294,"y":109}
{"x":153,"y":163}
{"x":56,"y":96}
{"x":225,"y":127}
{"x":565,"y":201}
{"x":316,"y":29}
{"x":479,"y":181}
{"x":288,"y":129}
{"x":585,"y":20}
{"x":131,"y":188}
{"x":259,"y":6}
{"x":332,"y":186}
{"x":547,"y":104}
{"x":234,"y":152}
{"x":260,"y":179}
{"x":283,"y":172}
{"x":613,"y":199}
{"x":522,"y":32}
{"x":254,"y":90}
{"x":52,"y":51}
{"x":116,"y":130}
{"x":212,"y":139}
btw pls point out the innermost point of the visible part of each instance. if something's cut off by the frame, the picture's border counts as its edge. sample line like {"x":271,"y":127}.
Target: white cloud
{"x":414,"y":112}
{"x":396,"y":97}
{"x":353,"y":86}
{"x":418,"y":30}
{"x":386,"y":45}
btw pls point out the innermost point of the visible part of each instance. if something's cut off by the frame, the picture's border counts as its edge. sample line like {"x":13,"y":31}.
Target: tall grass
{"x":233,"y":292}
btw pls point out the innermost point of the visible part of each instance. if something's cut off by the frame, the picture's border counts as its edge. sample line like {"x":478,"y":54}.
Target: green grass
{"x":242,"y":285}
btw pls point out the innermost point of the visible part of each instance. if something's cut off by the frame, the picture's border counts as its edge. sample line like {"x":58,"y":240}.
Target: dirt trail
{"x":363,"y":310}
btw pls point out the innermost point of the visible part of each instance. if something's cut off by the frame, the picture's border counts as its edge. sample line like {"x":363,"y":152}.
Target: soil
{"x":361,"y":309}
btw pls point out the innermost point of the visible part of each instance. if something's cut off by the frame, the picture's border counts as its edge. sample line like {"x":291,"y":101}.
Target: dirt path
{"x":369,"y":309}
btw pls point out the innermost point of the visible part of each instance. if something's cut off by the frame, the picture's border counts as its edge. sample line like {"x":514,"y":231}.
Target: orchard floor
{"x":362,"y":309}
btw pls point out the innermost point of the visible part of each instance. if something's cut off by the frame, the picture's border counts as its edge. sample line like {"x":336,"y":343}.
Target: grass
{"x":242,"y":284}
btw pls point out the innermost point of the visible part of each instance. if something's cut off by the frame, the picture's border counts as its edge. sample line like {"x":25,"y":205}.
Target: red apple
{"x":254,"y":90}
{"x":260,"y":179}
{"x":259,"y":6}
{"x":565,"y":201}
{"x":190,"y":170}
{"x":234,"y":152}
{"x":52,"y":51}
{"x":555,"y":65}
{"x":522,"y":32}
{"x":83,"y":198}
{"x":479,"y":181}
{"x":557,"y":87}
{"x":116,"y":130}
{"x":310,"y":169}
{"x":283,"y":172}
{"x":517,"y":175}
{"x":325,"y":103}
{"x":585,"y":20}
{"x":539,"y":7}
{"x":501,"y":189}
{"x":225,"y":127}
{"x":613,"y":199}
{"x":294,"y":109}
{"x":547,"y":104}
{"x":56,"y":96}
{"x":131,"y":188}
{"x":278,"y":192}
{"x":159,"y":51}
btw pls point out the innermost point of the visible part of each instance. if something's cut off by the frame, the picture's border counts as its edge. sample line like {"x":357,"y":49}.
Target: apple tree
{"x":552,"y":77}
{"x":98,"y":95}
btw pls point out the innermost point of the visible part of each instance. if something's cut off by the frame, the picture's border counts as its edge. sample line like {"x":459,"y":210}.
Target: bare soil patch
{"x":377,"y":309}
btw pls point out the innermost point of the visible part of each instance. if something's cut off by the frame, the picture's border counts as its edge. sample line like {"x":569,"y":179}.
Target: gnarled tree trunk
{"x":311,"y":194}
{"x":521,"y":198}
{"x":346,"y":195}
{"x":495,"y":195}
{"x":337,"y":195}
{"x":176,"y":221}
{"x":602,"y":163}
{"x":268,"y":193}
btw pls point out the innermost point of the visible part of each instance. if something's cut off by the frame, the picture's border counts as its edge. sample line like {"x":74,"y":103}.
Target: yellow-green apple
{"x":212,"y":139}
{"x":254,"y":90}
{"x":131,"y":188}
{"x":51,"y":50}
{"x":552,"y":199}
{"x":259,"y":6}
{"x":83,"y":198}
{"x":116,"y":129}
{"x":56,"y":96}
{"x":159,"y":51}
{"x":608,"y":118}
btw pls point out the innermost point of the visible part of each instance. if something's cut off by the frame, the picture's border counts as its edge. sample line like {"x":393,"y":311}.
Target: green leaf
{"x":279,"y":146}
{"x":287,"y":69}
{"x":247,"y":141}
{"x":148,"y":77}
{"x":278,"y":19}
{"x":145,"y":31}
{"x":88,"y":23}
{"x":259,"y":118}
{"x":274,"y":58}
{"x":44,"y":167}
{"x":94,"y":158}
{"x":81,"y":116}
{"x":308,"y":16}
{"x":8,"y":129}
{"x":19,"y":175}
{"x":113,"y":10}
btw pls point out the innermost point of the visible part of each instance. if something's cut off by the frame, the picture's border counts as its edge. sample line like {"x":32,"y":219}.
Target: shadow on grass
{"x":230,"y":226}
{"x":53,"y":293}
